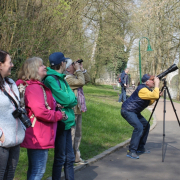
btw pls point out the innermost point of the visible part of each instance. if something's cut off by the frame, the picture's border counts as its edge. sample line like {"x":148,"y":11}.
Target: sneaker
{"x":132,"y":155}
{"x":143,"y":151}
{"x":81,"y":162}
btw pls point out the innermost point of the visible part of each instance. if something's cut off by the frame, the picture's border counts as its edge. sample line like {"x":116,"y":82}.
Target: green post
{"x":148,"y":49}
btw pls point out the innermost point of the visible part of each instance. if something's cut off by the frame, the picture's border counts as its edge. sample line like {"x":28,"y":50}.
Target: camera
{"x":169,"y":70}
{"x":79,"y":61}
{"x":22,"y":115}
{"x":59,"y":109}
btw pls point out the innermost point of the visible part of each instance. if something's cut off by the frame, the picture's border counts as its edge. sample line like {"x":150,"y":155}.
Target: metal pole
{"x":148,"y":49}
{"x":140,"y":61}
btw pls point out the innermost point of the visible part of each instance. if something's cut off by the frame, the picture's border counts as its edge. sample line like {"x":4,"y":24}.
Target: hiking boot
{"x":143,"y":151}
{"x":132,"y":155}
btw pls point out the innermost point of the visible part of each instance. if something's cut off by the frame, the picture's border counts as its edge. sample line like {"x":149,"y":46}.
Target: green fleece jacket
{"x":64,"y":95}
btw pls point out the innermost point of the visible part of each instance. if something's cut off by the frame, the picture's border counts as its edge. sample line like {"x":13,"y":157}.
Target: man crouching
{"x":142,"y":97}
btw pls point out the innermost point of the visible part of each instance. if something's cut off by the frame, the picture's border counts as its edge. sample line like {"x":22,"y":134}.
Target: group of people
{"x":144,"y":95}
{"x":54,"y":100}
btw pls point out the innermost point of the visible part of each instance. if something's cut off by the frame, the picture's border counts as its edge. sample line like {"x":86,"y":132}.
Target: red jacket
{"x":42,"y":135}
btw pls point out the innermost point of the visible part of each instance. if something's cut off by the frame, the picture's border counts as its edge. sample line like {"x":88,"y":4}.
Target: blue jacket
{"x":124,"y":78}
{"x":134,"y":103}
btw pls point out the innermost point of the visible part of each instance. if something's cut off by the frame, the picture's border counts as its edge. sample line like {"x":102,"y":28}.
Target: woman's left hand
{"x":63,"y":114}
{"x":60,"y":106}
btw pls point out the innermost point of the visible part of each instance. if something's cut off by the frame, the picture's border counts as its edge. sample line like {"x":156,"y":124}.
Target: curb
{"x":108,"y":151}
{"x":154,"y":120}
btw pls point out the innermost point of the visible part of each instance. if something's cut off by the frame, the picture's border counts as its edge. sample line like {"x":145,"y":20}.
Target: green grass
{"x":102,"y":127}
{"x":173,"y":100}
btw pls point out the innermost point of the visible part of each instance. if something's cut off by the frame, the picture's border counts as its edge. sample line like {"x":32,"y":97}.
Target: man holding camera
{"x":77,"y":77}
{"x":131,"y":112}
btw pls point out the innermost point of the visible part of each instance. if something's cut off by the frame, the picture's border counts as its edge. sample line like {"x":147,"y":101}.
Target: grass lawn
{"x":102,"y":127}
{"x":173,"y":100}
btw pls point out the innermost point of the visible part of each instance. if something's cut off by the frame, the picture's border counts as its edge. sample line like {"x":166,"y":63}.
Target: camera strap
{"x":11,"y":98}
{"x":45,"y":98}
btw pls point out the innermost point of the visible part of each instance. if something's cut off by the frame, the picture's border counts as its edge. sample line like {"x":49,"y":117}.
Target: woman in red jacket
{"x":40,"y":106}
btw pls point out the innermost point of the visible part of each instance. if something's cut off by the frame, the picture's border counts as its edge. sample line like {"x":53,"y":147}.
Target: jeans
{"x":8,"y":161}
{"x":122,"y":96}
{"x":63,"y":156}
{"x":37,"y":159}
{"x":76,"y":136}
{"x":139,"y":123}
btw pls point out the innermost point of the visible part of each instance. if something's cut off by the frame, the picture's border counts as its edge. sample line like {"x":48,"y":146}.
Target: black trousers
{"x":8,"y":161}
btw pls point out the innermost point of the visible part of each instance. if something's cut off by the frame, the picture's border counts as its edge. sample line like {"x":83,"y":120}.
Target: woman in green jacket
{"x":63,"y":154}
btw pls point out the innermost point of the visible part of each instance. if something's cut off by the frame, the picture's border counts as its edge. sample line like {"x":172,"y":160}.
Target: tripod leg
{"x":153,"y":110}
{"x":173,"y":106}
{"x":166,"y":88}
{"x":164,"y":112}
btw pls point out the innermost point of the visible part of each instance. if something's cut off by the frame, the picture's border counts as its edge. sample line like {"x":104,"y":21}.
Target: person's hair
{"x":56,"y":67}
{"x":29,"y":70}
{"x":68,"y":62}
{"x":3,"y":55}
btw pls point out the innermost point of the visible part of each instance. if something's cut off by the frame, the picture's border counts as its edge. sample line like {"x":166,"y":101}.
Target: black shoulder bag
{"x":19,"y":112}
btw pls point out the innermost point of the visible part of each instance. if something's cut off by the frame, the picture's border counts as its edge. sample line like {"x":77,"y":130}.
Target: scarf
{"x":81,"y":100}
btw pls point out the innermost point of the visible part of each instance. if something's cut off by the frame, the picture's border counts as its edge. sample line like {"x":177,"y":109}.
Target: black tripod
{"x":164,"y":88}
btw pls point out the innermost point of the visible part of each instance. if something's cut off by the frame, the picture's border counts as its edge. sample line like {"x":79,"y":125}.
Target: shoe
{"x":143,"y":151}
{"x":81,"y":162}
{"x":132,"y":155}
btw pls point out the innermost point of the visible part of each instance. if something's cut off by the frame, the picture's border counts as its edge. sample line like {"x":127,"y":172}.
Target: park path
{"x":117,"y":166}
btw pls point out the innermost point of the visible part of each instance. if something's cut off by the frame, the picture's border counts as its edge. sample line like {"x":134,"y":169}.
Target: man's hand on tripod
{"x":161,"y":93}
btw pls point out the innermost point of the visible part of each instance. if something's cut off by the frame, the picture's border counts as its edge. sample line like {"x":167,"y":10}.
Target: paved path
{"x":117,"y":166}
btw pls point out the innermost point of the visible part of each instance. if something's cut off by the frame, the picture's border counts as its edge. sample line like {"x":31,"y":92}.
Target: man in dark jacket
{"x":124,"y":82}
{"x":131,"y":109}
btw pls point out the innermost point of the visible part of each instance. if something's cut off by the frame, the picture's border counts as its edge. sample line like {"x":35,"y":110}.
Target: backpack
{"x":22,"y":89}
{"x":119,"y":80}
